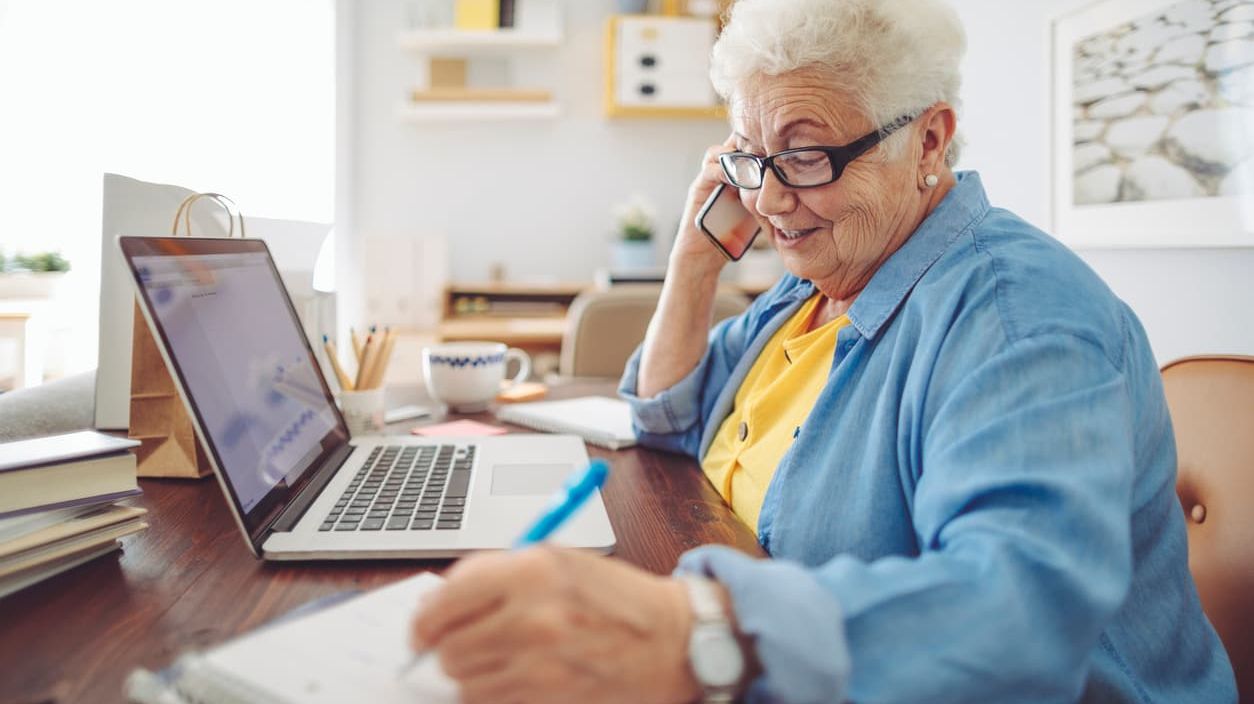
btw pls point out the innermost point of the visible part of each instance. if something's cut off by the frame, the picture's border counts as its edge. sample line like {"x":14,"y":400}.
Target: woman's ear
{"x":939,"y":122}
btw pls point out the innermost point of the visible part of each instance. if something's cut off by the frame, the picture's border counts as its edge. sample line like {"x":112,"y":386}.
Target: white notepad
{"x":355,"y":651}
{"x":599,"y":420}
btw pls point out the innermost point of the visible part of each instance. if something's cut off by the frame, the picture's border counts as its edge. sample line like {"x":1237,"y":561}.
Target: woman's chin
{"x":799,"y":256}
{"x":798,"y":266}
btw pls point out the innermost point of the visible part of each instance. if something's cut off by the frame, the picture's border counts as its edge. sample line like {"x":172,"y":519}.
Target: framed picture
{"x":1153,"y":123}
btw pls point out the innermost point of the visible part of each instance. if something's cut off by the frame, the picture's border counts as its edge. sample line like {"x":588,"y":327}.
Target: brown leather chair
{"x":604,"y":326}
{"x":1212,"y":410}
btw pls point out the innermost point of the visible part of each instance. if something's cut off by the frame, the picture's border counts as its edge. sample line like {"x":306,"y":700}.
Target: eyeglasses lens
{"x":742,"y":170}
{"x":804,"y":168}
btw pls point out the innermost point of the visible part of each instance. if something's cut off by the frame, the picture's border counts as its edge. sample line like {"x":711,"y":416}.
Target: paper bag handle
{"x":185,"y":211}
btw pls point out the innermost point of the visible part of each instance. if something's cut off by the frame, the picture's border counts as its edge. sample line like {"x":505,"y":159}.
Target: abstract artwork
{"x":1154,"y":123}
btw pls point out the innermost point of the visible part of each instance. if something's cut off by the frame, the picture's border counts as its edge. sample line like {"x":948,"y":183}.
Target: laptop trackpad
{"x":526,"y":479}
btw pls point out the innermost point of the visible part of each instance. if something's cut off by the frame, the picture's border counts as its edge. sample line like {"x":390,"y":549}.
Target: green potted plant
{"x":33,"y":276}
{"x":633,"y":250}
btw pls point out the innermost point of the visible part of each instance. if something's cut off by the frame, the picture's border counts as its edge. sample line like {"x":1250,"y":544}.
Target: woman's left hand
{"x":552,"y":625}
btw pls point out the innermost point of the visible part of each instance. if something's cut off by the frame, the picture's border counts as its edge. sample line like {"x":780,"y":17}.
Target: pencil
{"x":356,"y":344}
{"x":381,"y":363}
{"x":346,"y":384}
{"x":369,"y":352}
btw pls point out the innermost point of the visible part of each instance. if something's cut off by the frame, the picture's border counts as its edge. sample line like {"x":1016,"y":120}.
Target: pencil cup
{"x":363,"y":411}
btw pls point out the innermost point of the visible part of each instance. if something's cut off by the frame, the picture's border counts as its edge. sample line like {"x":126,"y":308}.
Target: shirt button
{"x":743,"y":431}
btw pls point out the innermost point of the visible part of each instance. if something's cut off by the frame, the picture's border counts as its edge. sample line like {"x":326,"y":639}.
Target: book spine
{"x":89,"y":501}
{"x":475,"y":14}
{"x":506,"y":14}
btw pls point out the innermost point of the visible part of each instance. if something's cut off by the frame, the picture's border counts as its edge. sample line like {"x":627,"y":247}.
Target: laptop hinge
{"x":295,"y":510}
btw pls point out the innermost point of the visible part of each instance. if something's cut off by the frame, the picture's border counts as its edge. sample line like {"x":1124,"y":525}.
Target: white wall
{"x":181,"y":92}
{"x":541,"y":204}
{"x":535,"y":195}
{"x":1190,"y":301}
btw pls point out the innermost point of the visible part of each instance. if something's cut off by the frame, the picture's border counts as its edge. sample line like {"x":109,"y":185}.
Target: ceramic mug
{"x":466,"y":376}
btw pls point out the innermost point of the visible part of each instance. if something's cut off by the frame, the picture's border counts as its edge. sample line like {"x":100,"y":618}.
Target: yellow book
{"x":477,"y":14}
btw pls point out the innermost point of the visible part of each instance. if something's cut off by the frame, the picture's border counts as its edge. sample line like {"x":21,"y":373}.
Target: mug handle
{"x":524,"y":365}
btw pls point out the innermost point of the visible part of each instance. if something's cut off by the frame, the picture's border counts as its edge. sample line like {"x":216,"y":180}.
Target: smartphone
{"x":726,"y":222}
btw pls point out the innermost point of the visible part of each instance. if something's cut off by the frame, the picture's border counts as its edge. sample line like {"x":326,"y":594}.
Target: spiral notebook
{"x":353,"y":651}
{"x":598,"y":420}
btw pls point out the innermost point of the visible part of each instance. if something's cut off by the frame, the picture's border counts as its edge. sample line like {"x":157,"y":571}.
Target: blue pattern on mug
{"x":459,"y":362}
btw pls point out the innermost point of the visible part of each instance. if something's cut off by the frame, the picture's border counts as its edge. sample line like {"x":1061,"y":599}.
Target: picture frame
{"x":1152,"y":123}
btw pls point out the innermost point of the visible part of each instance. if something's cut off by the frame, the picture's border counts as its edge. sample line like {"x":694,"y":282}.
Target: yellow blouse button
{"x":743,"y":431}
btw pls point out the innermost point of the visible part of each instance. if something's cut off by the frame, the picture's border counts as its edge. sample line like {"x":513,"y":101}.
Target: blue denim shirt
{"x":981,"y":505}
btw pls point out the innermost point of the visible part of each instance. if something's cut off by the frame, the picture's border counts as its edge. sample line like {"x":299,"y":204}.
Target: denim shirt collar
{"x":965,"y":204}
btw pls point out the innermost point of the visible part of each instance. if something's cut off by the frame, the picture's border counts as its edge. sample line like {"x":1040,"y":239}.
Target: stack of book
{"x":59,"y":504}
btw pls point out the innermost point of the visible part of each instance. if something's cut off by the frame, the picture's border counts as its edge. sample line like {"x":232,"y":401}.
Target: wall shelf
{"x":430,"y":41}
{"x":715,"y":112}
{"x":468,"y":110}
{"x":447,"y":87}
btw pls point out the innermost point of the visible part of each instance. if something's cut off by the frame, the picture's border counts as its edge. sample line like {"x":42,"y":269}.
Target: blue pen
{"x":565,"y":502}
{"x":578,"y":489}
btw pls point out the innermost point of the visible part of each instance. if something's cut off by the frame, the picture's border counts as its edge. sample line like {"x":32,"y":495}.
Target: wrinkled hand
{"x":552,"y":625}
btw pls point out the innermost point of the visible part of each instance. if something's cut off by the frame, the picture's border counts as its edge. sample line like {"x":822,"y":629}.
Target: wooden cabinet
{"x":529,"y":316}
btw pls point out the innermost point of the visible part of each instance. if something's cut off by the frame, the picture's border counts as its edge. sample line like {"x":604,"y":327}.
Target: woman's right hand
{"x":671,"y":350}
{"x":692,"y":248}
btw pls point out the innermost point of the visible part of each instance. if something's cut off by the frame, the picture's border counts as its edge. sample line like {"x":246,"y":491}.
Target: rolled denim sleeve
{"x":675,"y":418}
{"x":670,"y":420}
{"x":1021,"y":512}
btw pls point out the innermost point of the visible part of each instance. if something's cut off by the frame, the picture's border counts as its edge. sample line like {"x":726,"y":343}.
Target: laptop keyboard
{"x":406,"y":487}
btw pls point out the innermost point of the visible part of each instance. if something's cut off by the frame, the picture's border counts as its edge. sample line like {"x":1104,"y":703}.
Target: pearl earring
{"x":931,"y":180}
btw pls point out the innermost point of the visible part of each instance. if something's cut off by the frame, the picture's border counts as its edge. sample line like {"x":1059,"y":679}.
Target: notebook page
{"x":354,"y":651}
{"x":599,"y":420}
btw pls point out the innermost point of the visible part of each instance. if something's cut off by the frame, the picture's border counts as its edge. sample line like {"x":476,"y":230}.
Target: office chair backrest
{"x":1212,"y":410}
{"x":604,"y":326}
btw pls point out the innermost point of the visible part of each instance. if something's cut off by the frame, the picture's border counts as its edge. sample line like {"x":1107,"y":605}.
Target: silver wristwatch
{"x":714,"y":654}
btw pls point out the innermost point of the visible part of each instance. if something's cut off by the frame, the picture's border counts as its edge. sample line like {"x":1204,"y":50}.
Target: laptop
{"x":299,"y":487}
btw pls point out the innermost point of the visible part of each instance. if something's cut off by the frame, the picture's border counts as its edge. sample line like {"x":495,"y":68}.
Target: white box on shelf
{"x":664,"y":61}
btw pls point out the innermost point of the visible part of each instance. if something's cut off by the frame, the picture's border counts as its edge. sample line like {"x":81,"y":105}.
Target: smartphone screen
{"x":726,"y":223}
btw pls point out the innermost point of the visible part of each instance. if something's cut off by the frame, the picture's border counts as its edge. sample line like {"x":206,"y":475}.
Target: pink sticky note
{"x":459,"y":428}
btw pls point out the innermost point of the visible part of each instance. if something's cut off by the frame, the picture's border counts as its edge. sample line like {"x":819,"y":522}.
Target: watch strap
{"x":709,"y":614}
{"x":706,"y":606}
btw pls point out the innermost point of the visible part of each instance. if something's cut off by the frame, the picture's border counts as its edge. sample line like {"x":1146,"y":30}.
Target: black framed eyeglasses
{"x":805,"y":167}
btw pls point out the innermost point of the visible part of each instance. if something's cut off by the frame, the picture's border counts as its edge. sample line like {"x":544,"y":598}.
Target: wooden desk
{"x":189,"y":582}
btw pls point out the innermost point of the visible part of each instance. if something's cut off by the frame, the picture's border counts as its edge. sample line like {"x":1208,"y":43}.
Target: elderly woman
{"x":946,"y":431}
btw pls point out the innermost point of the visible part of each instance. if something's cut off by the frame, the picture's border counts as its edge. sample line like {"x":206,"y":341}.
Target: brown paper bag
{"x":159,"y":421}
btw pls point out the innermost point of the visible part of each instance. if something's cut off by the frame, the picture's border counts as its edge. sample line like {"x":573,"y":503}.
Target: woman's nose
{"x":774,"y":198}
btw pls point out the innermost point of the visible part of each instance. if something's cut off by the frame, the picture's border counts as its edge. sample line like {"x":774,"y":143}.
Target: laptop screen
{"x":244,"y":362}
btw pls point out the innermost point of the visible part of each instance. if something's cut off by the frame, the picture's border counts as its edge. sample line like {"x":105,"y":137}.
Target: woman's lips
{"x":791,"y":237}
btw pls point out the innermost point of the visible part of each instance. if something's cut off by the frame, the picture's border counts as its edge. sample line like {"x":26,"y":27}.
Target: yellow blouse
{"x":770,"y":406}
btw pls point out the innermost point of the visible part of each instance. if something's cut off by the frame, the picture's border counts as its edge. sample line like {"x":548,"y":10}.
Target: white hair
{"x":889,"y":57}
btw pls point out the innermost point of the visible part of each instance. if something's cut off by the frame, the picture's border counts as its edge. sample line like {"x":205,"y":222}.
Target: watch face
{"x":716,"y":657}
